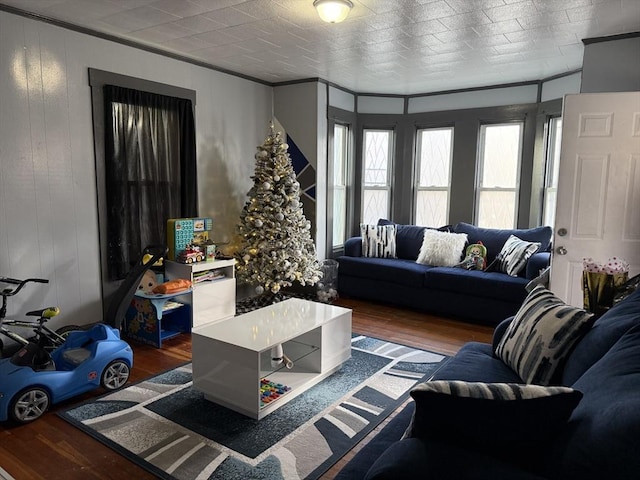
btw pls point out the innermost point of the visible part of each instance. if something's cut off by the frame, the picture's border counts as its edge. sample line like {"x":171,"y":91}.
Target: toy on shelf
{"x":271,"y":391}
{"x":188,"y":239}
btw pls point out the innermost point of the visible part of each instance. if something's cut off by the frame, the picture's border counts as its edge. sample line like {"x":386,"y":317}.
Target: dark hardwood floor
{"x":51,"y":448}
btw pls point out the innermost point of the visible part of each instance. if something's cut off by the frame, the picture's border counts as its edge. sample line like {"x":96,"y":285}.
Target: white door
{"x":598,"y":208}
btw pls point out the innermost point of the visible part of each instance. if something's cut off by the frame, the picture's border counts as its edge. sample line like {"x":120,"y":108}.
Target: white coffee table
{"x":231,"y":357}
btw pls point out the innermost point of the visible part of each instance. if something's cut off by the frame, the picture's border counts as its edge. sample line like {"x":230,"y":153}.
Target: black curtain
{"x":150,"y":170}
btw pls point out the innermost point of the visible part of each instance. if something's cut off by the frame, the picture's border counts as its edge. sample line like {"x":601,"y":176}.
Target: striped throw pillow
{"x":378,"y":241}
{"x":512,"y":422}
{"x":514,"y":255}
{"x":541,"y":335}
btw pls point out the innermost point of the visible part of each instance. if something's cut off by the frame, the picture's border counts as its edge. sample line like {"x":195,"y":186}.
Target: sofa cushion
{"x":441,"y":249}
{"x":418,"y":459}
{"x":494,"y":239}
{"x":477,"y":283}
{"x":508,"y":420}
{"x":378,"y":241}
{"x":514,"y":255}
{"x":475,"y":362}
{"x":541,"y":336}
{"x":606,"y":331}
{"x":408,"y":239}
{"x":394,"y":270}
{"x":601,"y":438}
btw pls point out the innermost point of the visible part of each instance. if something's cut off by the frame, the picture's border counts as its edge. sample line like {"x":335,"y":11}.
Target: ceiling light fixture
{"x":333,"y":11}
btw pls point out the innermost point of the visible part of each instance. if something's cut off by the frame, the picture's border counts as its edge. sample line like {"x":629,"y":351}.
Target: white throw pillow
{"x":378,"y":241}
{"x":441,"y":249}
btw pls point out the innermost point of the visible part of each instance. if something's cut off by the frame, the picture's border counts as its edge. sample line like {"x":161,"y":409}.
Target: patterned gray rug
{"x":168,"y":428}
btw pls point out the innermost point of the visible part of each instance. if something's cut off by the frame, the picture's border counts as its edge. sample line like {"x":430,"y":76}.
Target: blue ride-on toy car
{"x":33,"y":379}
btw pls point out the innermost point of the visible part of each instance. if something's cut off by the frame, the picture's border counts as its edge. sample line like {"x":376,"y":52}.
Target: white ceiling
{"x":385,"y":46}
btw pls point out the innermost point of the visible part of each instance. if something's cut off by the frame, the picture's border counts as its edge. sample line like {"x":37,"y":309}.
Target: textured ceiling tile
{"x":184,"y":8}
{"x":262,"y":8}
{"x":139,"y":18}
{"x":506,"y":26}
{"x":216,"y":37}
{"x":463,"y":6}
{"x":186,"y":44}
{"x":79,"y":9}
{"x":424,"y":28}
{"x":507,"y":12}
{"x":489,"y":41}
{"x":465,"y":20}
{"x":558,"y":5}
{"x":161,"y":33}
{"x":230,"y":16}
{"x":216,"y":4}
{"x":543,"y":20}
{"x":199,"y":24}
{"x":433,"y":11}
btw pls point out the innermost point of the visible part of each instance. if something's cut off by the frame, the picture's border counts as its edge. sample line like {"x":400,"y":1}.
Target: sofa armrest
{"x":538,"y":262}
{"x":353,"y":247}
{"x":498,"y":332}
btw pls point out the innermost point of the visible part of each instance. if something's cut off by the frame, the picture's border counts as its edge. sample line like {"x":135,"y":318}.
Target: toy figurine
{"x":475,"y":257}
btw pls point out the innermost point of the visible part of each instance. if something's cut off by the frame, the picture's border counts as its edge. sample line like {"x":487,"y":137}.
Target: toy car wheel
{"x":29,"y":405}
{"x":115,"y":375}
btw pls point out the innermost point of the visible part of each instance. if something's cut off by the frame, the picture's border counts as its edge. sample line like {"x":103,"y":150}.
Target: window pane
{"x":375,"y":205}
{"x":340,"y":162}
{"x":339,"y":154}
{"x":500,"y":155}
{"x":431,"y":208}
{"x":552,"y":169}
{"x":339,"y":215}
{"x":497,"y":209}
{"x":376,"y":157}
{"x":435,"y":157}
{"x":549,"y":215}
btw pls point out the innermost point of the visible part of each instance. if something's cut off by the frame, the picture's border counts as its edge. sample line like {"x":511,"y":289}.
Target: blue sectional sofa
{"x":480,"y":296}
{"x":597,"y":440}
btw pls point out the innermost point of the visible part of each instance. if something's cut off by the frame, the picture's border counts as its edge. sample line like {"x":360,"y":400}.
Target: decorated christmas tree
{"x":276,"y":248}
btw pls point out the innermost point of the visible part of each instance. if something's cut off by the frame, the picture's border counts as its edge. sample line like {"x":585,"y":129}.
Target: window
{"x":340,"y":161}
{"x":150,"y":171}
{"x":376,"y":177}
{"x":554,"y":134}
{"x":433,"y":181}
{"x":499,"y":174}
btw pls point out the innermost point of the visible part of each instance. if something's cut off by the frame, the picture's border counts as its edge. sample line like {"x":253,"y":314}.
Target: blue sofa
{"x":480,"y":296}
{"x":599,"y":440}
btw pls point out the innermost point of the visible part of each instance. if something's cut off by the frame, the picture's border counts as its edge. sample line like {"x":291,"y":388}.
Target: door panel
{"x":598,"y":187}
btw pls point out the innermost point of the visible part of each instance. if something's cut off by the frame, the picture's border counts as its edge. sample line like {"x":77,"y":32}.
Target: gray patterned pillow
{"x":514,"y":255}
{"x":378,"y":241}
{"x":541,"y":335}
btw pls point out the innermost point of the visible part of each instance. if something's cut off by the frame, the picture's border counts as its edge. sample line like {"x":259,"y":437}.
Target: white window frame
{"x":430,"y":188}
{"x":480,"y":188}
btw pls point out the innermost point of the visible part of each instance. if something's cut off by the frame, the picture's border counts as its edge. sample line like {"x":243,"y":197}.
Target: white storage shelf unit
{"x":214,"y":298}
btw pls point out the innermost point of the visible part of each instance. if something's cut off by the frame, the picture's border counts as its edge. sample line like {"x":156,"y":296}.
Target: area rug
{"x":167,"y":427}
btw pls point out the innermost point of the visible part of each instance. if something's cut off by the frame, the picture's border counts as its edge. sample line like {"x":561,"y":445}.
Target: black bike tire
{"x":68,"y":329}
